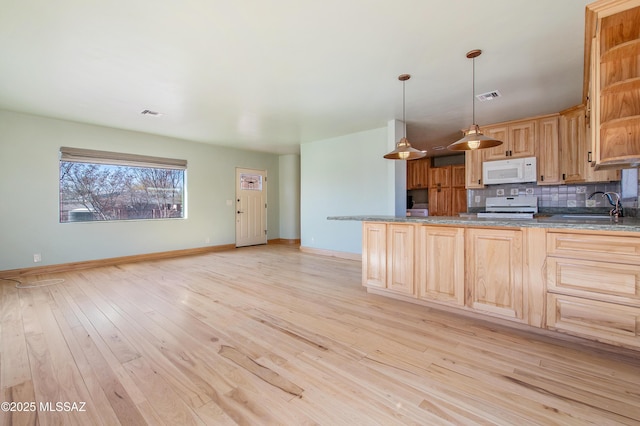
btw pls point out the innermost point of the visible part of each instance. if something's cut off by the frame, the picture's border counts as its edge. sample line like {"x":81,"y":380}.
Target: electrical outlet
{"x":581,"y":189}
{"x":477,"y":198}
{"x":37,"y":258}
{"x":207,"y":240}
{"x":590,"y":203}
{"x":229,"y":202}
{"x":571,"y":203}
{"x":500,"y":191}
{"x":529,"y":191}
{"x":514,"y":191}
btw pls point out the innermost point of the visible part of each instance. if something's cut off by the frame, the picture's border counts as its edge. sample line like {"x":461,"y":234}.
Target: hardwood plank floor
{"x":271,"y":335}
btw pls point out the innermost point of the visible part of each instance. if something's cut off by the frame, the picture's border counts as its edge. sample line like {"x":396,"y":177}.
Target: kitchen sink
{"x":585,"y":216}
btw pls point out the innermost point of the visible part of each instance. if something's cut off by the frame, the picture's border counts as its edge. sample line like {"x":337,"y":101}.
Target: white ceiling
{"x":270,"y":75}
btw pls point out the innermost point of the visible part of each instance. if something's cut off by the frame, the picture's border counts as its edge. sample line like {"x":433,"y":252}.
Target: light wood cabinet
{"x":458,"y":189}
{"x":418,"y":173}
{"x":601,"y":175}
{"x":440,"y":201}
{"x":501,"y":133}
{"x":440,"y":264}
{"x":458,"y":201}
{"x":582,"y":283}
{"x":593,"y":319}
{"x":593,"y":285}
{"x":440,"y":191}
{"x":548,"y":151}
{"x":518,"y":140}
{"x":472,"y":269}
{"x":440,"y":177}
{"x":573,"y":144}
{"x":494,"y":267}
{"x":575,"y":148}
{"x":613,"y":50}
{"x":473,"y":169}
{"x":447,"y":193}
{"x":400,"y":254}
{"x":374,"y":254}
{"x":387,"y":256}
{"x":458,"y":176}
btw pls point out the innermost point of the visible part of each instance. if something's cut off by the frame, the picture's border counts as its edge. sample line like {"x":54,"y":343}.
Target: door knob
{"x":240,"y":212}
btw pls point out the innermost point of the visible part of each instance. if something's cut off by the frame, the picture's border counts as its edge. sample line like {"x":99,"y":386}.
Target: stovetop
{"x":506,"y":215}
{"x":523,"y":207}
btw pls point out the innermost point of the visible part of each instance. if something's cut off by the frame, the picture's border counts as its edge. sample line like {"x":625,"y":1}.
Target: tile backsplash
{"x":560,"y":196}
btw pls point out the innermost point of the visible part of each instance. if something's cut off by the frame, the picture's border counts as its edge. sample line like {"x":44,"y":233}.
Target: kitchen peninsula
{"x":578,"y":276}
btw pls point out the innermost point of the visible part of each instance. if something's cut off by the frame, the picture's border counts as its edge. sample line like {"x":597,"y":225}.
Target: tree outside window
{"x":105,"y":192}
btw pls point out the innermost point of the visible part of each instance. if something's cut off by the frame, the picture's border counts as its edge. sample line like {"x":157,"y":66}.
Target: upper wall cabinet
{"x":518,"y":140}
{"x":473,"y":168}
{"x":573,"y":144}
{"x":548,"y":151}
{"x":418,"y":173}
{"x":575,"y":151}
{"x":612,"y":76}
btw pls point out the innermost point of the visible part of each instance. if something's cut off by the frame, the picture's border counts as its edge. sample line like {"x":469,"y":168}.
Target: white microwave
{"x":515,"y":170}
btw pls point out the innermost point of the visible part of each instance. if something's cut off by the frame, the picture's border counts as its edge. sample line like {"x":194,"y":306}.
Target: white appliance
{"x":418,"y":212}
{"x":515,"y":170}
{"x":510,"y":207}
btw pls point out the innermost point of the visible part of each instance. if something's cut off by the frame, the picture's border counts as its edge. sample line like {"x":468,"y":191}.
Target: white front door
{"x":251,"y":207}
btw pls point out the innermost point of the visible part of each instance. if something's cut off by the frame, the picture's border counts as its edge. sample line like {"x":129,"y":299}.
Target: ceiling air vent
{"x":149,"y":112}
{"x":488,"y":96}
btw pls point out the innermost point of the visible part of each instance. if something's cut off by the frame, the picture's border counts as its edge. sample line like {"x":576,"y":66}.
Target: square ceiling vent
{"x":488,"y":96}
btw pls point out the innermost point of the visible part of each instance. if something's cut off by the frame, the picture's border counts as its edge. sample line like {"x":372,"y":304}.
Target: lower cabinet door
{"x":494,"y":265}
{"x":400,"y":253}
{"x":374,"y":254}
{"x":440,"y":264}
{"x":603,"y":321}
{"x":439,"y":201}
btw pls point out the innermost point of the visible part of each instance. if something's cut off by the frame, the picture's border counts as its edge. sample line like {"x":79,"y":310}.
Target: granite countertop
{"x":624,"y":224}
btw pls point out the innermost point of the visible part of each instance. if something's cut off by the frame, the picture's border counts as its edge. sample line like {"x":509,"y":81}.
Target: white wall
{"x":346,"y":175}
{"x":29,"y":174}
{"x":289,"y":166}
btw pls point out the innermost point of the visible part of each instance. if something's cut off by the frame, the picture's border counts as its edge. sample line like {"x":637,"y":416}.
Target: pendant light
{"x":403,"y":150}
{"x":474,"y":139}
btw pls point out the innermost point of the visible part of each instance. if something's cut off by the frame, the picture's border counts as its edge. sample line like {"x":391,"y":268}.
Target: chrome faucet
{"x":616,"y":211}
{"x":595,"y":193}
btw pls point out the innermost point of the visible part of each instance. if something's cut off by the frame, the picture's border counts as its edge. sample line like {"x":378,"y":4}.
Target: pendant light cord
{"x":404,"y":121}
{"x":473,"y":91}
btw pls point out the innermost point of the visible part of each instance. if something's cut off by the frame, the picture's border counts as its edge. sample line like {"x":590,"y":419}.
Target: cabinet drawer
{"x":613,"y":282}
{"x":605,"y":248}
{"x":605,"y":322}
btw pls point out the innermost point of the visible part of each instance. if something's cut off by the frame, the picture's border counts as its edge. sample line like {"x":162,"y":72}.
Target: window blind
{"x":80,"y":155}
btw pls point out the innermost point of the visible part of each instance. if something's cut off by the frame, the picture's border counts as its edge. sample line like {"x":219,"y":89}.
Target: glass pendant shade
{"x":474,"y":139}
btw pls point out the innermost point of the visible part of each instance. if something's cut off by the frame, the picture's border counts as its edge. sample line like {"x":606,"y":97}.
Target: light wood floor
{"x":270,"y":335}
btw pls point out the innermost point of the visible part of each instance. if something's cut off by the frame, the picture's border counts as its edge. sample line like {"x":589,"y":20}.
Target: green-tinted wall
{"x":29,"y":147}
